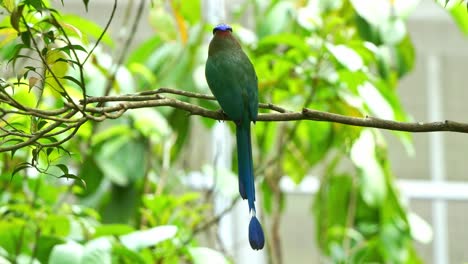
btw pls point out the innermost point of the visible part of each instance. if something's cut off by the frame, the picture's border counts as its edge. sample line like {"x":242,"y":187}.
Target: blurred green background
{"x":158,"y":186}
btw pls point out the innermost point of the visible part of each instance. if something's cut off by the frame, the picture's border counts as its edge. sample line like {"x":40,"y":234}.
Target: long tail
{"x":247,"y":184}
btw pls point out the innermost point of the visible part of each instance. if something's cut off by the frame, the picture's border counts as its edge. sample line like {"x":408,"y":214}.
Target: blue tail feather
{"x":245,"y":164}
{"x":256,"y":236}
{"x":247,"y":184}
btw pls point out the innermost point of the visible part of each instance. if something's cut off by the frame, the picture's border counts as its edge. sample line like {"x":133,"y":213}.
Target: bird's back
{"x":232,"y":79}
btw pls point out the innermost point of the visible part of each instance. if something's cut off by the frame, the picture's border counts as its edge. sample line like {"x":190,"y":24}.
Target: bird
{"x":232,"y":79}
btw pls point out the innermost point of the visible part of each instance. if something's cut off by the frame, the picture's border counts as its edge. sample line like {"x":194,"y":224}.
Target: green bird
{"x":232,"y":80}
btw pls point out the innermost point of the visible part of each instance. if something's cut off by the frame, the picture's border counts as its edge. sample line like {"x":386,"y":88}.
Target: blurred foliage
{"x":117,"y":190}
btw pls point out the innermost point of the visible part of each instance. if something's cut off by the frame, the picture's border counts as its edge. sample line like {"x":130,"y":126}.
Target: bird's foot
{"x":222,"y":114}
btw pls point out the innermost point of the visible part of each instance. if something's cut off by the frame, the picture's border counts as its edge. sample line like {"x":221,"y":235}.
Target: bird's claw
{"x":221,"y":112}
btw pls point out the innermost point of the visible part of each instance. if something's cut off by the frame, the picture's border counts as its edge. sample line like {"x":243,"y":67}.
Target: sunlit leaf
{"x":70,"y":253}
{"x":376,"y":102}
{"x":97,"y":251}
{"x":147,"y":238}
{"x":89,"y":27}
{"x":392,"y":31}
{"x":420,"y":229}
{"x":203,"y":255}
{"x":277,"y":19}
{"x":460,"y":15}
{"x":373,"y":186}
{"x":346,"y":56}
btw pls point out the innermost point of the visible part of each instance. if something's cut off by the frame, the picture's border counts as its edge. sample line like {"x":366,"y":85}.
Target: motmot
{"x":232,"y":79}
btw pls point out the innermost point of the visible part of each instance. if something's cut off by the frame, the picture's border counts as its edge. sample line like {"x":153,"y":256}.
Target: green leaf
{"x":277,"y":19}
{"x":112,"y":230}
{"x":67,"y":48}
{"x":148,"y":238}
{"x":19,"y":167}
{"x":375,"y":101}
{"x":460,"y":16}
{"x":63,"y":168}
{"x":74,"y":80}
{"x":405,"y":56}
{"x":125,"y":255}
{"x":87,"y":26}
{"x":204,"y":255}
{"x":392,"y":31}
{"x":144,"y":50}
{"x":91,"y":174}
{"x":86,"y":2}
{"x":123,"y":159}
{"x":74,"y":177}
{"x":373,"y":183}
{"x":41,"y":124}
{"x":26,"y":38}
{"x":421,"y":231}
{"x":97,"y":251}
{"x":179,"y":122}
{"x":15,"y":17}
{"x":331,"y":207}
{"x":58,"y":225}
{"x":70,"y":253}
{"x":267,"y":195}
{"x":291,"y":40}
{"x":346,"y":56}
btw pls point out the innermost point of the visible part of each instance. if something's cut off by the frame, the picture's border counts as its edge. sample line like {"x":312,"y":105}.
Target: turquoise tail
{"x":247,"y":183}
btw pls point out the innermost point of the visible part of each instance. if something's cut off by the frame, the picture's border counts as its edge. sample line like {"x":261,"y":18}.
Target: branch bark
{"x":68,"y":115}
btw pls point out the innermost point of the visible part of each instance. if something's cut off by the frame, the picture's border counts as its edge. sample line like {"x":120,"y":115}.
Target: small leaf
{"x":41,"y":124}
{"x":19,"y":167}
{"x":26,"y":38}
{"x":36,"y":4}
{"x":460,"y":16}
{"x":16,"y":16}
{"x":67,"y":77}
{"x":346,"y":56}
{"x":62,"y":167}
{"x":32,"y":82}
{"x":49,"y":151}
{"x":86,"y":2}
{"x":72,"y":47}
{"x":73,"y":176}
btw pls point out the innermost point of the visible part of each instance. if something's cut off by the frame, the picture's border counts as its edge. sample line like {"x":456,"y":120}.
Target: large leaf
{"x":97,"y":251}
{"x":373,"y":184}
{"x":346,"y":56}
{"x":123,"y":159}
{"x":70,"y":253}
{"x":89,"y":27}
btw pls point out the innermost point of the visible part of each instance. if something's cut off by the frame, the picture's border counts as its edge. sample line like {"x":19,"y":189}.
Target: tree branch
{"x":68,"y":119}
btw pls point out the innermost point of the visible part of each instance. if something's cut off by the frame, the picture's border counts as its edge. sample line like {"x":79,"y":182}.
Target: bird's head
{"x":222,"y":28}
{"x":223,"y":40}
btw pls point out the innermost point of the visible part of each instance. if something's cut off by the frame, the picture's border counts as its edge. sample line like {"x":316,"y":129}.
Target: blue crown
{"x":222,"y":27}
